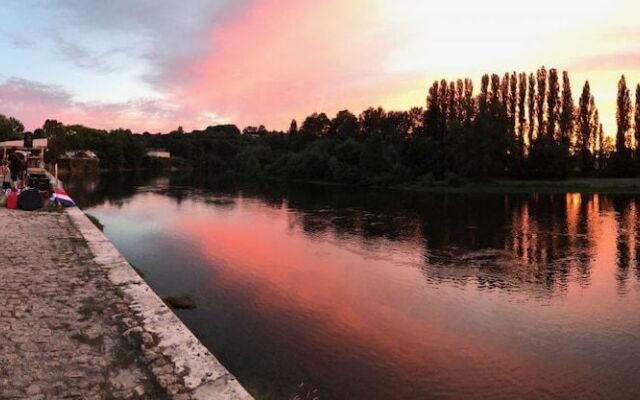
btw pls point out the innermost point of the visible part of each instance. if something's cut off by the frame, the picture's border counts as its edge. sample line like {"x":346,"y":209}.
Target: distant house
{"x":158,"y":153}
{"x":79,"y":162}
{"x":79,"y":155}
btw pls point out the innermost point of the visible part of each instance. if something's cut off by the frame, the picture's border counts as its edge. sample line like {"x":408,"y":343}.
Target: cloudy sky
{"x":155,"y":64}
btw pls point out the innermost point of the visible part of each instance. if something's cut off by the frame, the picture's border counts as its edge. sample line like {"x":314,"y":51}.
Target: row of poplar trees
{"x":530,"y":126}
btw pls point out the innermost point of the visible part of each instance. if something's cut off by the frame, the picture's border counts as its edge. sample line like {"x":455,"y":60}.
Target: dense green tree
{"x":373,"y":122}
{"x":374,"y":159}
{"x":344,"y":125}
{"x":55,"y":133}
{"x":10,"y":128}
{"x":416,"y":119}
{"x":315,"y":125}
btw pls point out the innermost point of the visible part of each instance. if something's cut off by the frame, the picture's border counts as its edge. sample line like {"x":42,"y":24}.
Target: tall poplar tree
{"x":495,"y":94}
{"x":532,"y":108}
{"x":600,"y":135}
{"x":443,"y":95}
{"x":623,"y":116}
{"x":595,"y":128}
{"x":553,"y":97}
{"x":522,"y":99}
{"x":460,"y":101}
{"x":585,"y":130}
{"x":293,"y":128}
{"x":452,"y":113}
{"x":512,"y":109}
{"x":469,"y":102}
{"x":504,"y":94}
{"x":434,"y":121}
{"x":636,"y":123}
{"x":567,"y":114}
{"x":483,"y":97}
{"x":540,"y":99}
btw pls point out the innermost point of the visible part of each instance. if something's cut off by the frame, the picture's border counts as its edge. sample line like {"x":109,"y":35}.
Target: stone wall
{"x":172,"y":351}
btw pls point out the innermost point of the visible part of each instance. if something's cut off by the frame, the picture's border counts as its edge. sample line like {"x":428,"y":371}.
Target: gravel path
{"x":61,"y":329}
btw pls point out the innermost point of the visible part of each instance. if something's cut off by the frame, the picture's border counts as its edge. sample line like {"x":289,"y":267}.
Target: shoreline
{"x":203,"y":375}
{"x":573,"y":185}
{"x":80,"y":322}
{"x":570,"y":185}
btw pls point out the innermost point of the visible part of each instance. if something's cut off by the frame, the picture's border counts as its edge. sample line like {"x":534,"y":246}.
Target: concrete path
{"x":68,"y":332}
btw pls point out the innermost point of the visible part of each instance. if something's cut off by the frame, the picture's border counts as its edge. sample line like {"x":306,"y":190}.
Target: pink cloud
{"x":610,"y":61}
{"x":33,"y":103}
{"x":285,"y":59}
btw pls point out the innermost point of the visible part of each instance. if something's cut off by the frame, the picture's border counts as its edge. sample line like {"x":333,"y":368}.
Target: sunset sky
{"x":155,"y":64}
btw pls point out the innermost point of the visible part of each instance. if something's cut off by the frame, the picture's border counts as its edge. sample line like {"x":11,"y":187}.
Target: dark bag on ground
{"x":30,"y":200}
{"x":40,"y":182}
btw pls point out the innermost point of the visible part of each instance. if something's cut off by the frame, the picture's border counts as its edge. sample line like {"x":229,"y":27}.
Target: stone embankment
{"x":77,"y":322}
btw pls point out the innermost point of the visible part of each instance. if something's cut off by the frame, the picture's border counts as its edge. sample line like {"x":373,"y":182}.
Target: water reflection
{"x":379,"y":295}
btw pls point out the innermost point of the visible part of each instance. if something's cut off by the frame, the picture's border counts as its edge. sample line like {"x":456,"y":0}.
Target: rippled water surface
{"x":391,"y":295}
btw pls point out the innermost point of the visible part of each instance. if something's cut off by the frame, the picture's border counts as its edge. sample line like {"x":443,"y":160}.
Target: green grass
{"x":119,"y":292}
{"x":90,"y":307}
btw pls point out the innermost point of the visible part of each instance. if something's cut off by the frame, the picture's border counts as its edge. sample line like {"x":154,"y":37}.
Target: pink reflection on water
{"x":373,"y":295}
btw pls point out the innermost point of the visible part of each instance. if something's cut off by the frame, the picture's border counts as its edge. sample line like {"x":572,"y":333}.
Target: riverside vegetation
{"x":518,"y":126}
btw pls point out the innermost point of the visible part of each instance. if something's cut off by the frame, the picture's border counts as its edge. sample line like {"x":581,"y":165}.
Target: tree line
{"x":517,"y":125}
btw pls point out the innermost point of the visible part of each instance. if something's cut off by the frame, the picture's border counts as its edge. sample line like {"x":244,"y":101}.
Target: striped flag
{"x":61,"y":197}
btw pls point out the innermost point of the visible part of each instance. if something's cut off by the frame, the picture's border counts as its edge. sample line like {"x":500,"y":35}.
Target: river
{"x":362,"y":294}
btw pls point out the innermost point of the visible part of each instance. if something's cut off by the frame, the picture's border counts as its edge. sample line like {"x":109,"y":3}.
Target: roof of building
{"x":79,"y":154}
{"x":37,"y":144}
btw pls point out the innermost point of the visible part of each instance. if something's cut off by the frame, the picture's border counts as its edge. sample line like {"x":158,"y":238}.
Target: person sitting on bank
{"x":17,"y":165}
{"x":5,"y":175}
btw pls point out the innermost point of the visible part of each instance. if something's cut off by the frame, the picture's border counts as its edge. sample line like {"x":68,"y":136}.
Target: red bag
{"x":12,"y":200}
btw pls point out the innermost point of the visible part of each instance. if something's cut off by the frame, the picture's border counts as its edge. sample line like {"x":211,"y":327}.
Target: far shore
{"x":571,"y":185}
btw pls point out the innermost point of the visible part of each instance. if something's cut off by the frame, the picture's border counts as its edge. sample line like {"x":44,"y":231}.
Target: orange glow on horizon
{"x":277,"y":62}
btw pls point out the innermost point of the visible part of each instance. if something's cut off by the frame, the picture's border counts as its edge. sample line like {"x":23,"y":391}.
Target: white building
{"x":158,"y":153}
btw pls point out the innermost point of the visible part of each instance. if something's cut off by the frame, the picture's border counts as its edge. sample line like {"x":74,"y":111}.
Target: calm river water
{"x":391,"y":295}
